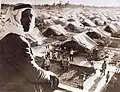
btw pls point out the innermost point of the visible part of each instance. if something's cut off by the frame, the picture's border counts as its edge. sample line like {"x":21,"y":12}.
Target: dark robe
{"x":18,"y":71}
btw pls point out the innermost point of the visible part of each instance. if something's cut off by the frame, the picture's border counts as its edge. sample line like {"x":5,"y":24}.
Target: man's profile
{"x":18,"y":70}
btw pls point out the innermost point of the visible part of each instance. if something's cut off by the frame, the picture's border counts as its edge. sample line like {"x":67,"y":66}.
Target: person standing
{"x":67,"y":63}
{"x":104,"y":65}
{"x":81,"y":81}
{"x":107,"y":76}
{"x":42,"y":61}
{"x":47,"y":63}
{"x":71,"y":54}
{"x":47,"y":51}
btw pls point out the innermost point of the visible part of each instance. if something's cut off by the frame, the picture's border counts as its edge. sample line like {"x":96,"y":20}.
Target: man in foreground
{"x":18,"y":70}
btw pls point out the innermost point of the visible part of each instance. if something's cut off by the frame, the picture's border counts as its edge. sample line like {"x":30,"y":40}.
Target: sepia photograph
{"x":59,"y":46}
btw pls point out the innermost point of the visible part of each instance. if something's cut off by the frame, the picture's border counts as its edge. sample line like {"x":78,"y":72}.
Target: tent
{"x":85,"y":41}
{"x":35,"y":36}
{"x":98,"y":21}
{"x":111,"y":28}
{"x":81,"y":16}
{"x":61,"y":21}
{"x":88,"y":22}
{"x":101,"y":32}
{"x":117,"y":28}
{"x":46,"y":15}
{"x":99,"y":36}
{"x":54,"y":18}
{"x":103,"y":17}
{"x":48,"y":22}
{"x":59,"y":15}
{"x":81,"y":42}
{"x":75,"y":27}
{"x":93,"y":35}
{"x":117,"y":25}
{"x":54,"y":30}
{"x":38,"y":21}
{"x":31,"y":40}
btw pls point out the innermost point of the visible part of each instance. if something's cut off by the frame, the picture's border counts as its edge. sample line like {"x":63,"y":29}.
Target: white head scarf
{"x":12,"y":22}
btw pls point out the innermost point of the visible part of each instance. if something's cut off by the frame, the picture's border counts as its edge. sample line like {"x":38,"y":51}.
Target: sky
{"x":86,"y":2}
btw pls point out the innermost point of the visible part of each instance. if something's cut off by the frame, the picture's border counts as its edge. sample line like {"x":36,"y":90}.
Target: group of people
{"x":103,"y":71}
{"x":45,"y":62}
{"x":58,"y":53}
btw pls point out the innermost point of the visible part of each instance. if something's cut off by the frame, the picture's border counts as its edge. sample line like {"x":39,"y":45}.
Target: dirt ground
{"x":68,"y":77}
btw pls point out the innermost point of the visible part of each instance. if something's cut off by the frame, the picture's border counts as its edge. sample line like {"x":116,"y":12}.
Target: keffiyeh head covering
{"x":12,"y":23}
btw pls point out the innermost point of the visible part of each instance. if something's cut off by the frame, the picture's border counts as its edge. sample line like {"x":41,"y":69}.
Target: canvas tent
{"x":102,"y":16}
{"x":35,"y":36}
{"x":54,"y":30}
{"x":85,"y":41}
{"x":54,"y":18}
{"x":48,"y":22}
{"x":82,"y":42}
{"x":117,"y":25}
{"x":59,"y":15}
{"x":111,"y":18}
{"x":60,"y":21}
{"x":38,"y":21}
{"x":98,"y":21}
{"x":31,"y":40}
{"x":93,"y":34}
{"x":111,"y":29}
{"x":81,"y":16}
{"x":75,"y":27}
{"x":46,"y":15}
{"x":99,"y":36}
{"x":101,"y":32}
{"x":29,"y":36}
{"x":88,"y":22}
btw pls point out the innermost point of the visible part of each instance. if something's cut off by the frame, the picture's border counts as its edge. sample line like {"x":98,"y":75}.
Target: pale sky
{"x":87,"y":2}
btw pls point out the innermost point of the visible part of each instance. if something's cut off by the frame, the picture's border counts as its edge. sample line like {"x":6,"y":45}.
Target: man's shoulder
{"x":14,"y":38}
{"x":12,"y":35}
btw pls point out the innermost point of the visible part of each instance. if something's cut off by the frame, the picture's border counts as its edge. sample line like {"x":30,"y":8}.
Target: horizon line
{"x":70,"y":4}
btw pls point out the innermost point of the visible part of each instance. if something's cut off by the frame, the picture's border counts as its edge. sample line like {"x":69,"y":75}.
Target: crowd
{"x":56,"y":53}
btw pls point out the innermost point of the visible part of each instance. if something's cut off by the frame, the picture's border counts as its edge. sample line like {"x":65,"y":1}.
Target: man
{"x":107,"y":76}
{"x":67,"y":64}
{"x":43,"y":61}
{"x":104,"y":65}
{"x":18,"y":70}
{"x":95,"y":53}
{"x":47,"y":63}
{"x":81,"y":79}
{"x":71,"y":54}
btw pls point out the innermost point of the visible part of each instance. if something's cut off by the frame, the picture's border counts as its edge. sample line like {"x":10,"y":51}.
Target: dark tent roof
{"x":93,"y":35}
